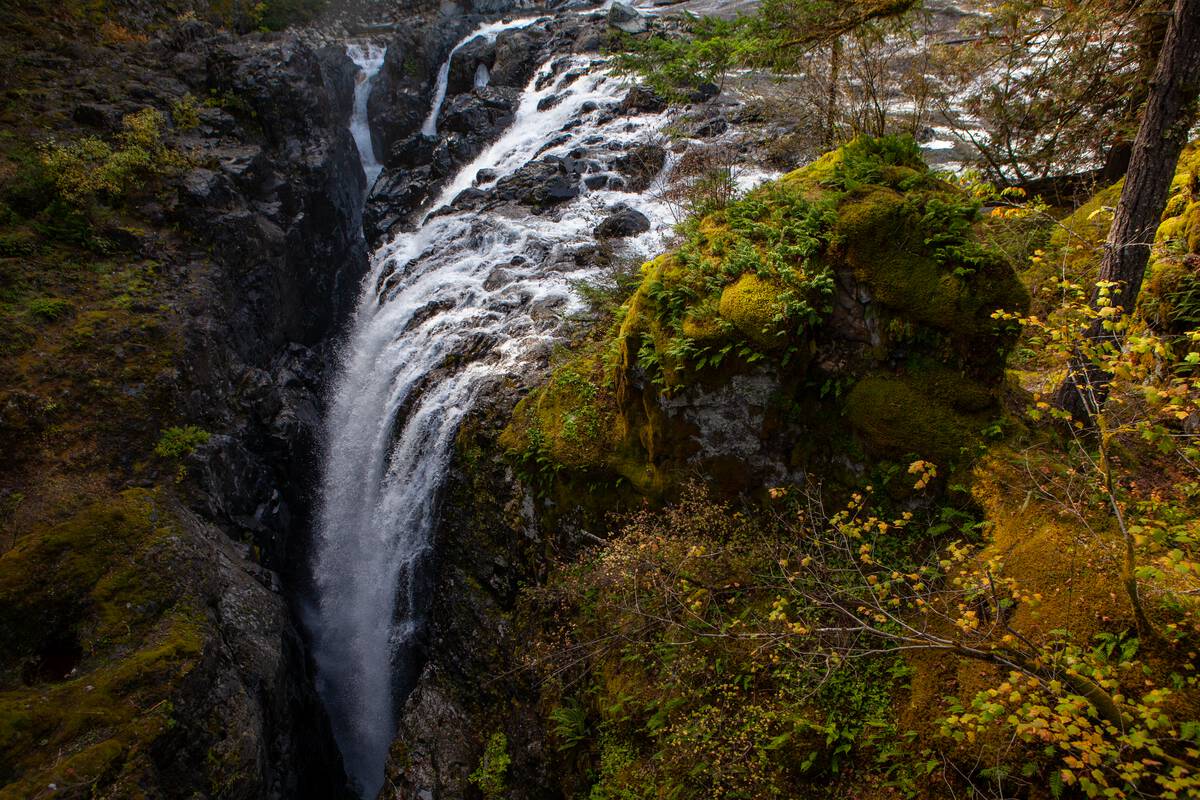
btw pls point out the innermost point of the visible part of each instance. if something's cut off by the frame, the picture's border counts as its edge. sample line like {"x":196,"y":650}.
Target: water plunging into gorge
{"x":447,"y":310}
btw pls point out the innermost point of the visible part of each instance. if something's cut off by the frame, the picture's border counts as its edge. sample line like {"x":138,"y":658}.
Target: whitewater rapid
{"x":447,"y":310}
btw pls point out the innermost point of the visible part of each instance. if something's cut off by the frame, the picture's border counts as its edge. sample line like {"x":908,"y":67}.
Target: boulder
{"x":516,"y":57}
{"x":541,"y":183}
{"x":478,"y":52}
{"x":626,"y":18}
{"x":642,"y":100}
{"x":640,"y":166}
{"x":622,"y":222}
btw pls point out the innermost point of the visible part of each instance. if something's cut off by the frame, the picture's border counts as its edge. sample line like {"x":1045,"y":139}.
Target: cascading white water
{"x":489,"y":32}
{"x":473,"y":283}
{"x":369,"y":58}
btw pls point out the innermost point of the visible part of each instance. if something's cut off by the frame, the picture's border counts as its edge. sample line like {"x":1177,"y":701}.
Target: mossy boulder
{"x":862,"y":273}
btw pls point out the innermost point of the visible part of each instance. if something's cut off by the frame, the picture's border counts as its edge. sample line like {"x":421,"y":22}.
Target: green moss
{"x":491,"y":776}
{"x":1170,"y":299}
{"x":95,"y":635}
{"x":570,"y":417}
{"x":928,"y":412}
{"x":754,"y":307}
{"x":887,"y":242}
{"x":49,"y":309}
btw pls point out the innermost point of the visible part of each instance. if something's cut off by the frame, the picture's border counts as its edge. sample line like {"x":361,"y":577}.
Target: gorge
{"x":484,"y":399}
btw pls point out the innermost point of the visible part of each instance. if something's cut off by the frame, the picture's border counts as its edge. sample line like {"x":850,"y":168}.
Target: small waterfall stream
{"x":489,"y":32}
{"x":369,"y":58}
{"x":447,"y":309}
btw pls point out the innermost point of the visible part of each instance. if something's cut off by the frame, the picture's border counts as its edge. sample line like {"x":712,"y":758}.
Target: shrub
{"x":91,"y":169}
{"x":178,"y":442}
{"x":17,"y":244}
{"x":49,"y":309}
{"x":185,"y":112}
{"x":492,"y":773}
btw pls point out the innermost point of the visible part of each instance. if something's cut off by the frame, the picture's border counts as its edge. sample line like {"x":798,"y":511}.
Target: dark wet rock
{"x":709,"y":128}
{"x":516,"y":57}
{"x":412,"y":151}
{"x":466,"y":62}
{"x":486,"y":176}
{"x":641,"y":100}
{"x":622,"y":222}
{"x":704,"y":92}
{"x":497,"y":278}
{"x":595,"y":181}
{"x":554,"y":142}
{"x":541,"y":183}
{"x":640,"y":166}
{"x":549,"y":102}
{"x":469,"y":198}
{"x":399,"y":100}
{"x":97,"y":115}
{"x":427,"y":312}
{"x":395,"y":196}
{"x":481,"y":114}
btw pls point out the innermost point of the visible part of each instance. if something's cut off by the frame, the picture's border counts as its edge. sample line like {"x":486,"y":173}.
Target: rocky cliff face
{"x":242,"y":266}
{"x":275,"y":220}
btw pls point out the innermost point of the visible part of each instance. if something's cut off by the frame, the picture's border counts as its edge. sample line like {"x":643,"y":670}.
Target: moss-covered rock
{"x":754,"y":306}
{"x":862,"y":273}
{"x":95,"y":639}
{"x":929,"y":412}
{"x":138,"y":652}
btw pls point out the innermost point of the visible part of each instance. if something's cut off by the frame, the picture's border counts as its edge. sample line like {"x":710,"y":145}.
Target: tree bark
{"x":1169,"y":114}
{"x":835,"y":63}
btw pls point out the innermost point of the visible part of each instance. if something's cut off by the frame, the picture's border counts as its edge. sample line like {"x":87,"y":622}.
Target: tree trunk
{"x":835,"y":65}
{"x":1168,"y":116}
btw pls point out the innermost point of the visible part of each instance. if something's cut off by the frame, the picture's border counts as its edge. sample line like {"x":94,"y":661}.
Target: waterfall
{"x":448,"y":309}
{"x":369,"y":58}
{"x":489,"y":32}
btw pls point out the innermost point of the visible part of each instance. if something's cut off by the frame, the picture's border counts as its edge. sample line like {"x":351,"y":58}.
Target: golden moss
{"x":753,"y":306}
{"x":1171,"y":295}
